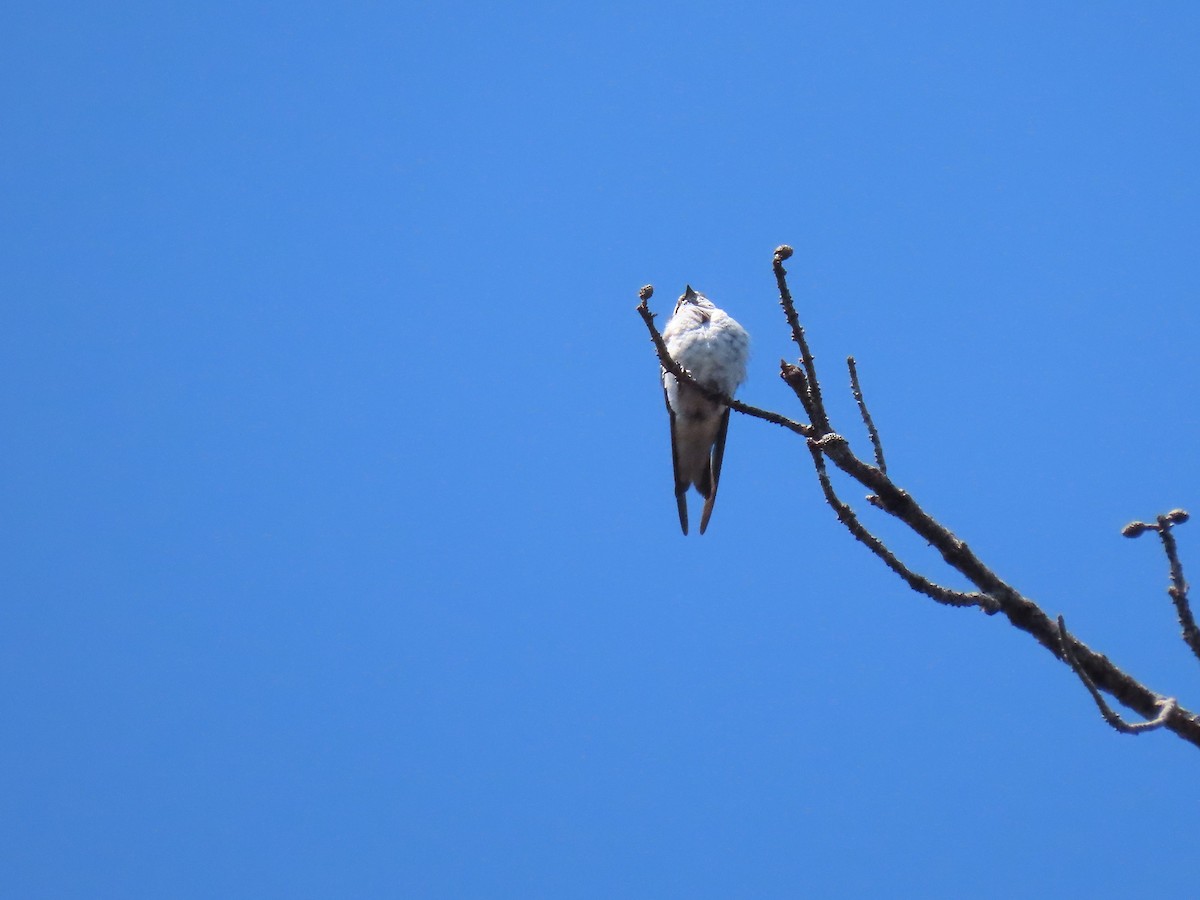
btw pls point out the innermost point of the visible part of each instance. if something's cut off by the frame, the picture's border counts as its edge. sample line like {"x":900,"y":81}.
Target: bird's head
{"x":693,"y":298}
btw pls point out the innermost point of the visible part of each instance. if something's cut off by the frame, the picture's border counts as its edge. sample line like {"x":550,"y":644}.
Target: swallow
{"x":714,"y":349}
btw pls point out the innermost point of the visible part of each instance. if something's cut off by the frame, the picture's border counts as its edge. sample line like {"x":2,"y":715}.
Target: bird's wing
{"x":681,"y":485}
{"x":718,"y":454}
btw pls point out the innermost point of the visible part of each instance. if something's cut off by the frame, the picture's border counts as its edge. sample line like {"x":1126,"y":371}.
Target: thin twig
{"x":1167,"y":704}
{"x":1178,"y":591}
{"x":866,"y":416}
{"x":811,"y":398}
{"x":668,"y":363}
{"x":849,"y":518}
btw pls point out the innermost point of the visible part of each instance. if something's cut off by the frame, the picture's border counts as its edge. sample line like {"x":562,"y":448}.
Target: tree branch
{"x":811,"y":399}
{"x":847,"y":517}
{"x":856,"y":390}
{"x":1096,"y":671}
{"x":1021,"y":612}
{"x":1178,"y":591}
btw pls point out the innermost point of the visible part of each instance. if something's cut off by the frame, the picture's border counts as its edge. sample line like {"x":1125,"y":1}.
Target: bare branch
{"x":1167,"y":704}
{"x":1179,"y":588}
{"x":1020,"y":611}
{"x":811,"y":396}
{"x":866,"y":416}
{"x":1178,"y":591}
{"x":664,"y":357}
{"x":1097,"y":672}
{"x":847,"y":517}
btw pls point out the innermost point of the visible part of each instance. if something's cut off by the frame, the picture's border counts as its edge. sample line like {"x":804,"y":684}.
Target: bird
{"x":714,"y":349}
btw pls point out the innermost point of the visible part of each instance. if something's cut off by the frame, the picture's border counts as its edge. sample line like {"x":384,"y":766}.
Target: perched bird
{"x":713,"y":348}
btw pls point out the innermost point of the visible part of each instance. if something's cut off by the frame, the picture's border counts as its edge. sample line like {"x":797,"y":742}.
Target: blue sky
{"x":342,"y":557}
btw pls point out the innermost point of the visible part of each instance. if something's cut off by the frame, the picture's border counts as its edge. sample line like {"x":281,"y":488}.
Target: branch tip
{"x":856,"y":390}
{"x":1178,"y":590}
